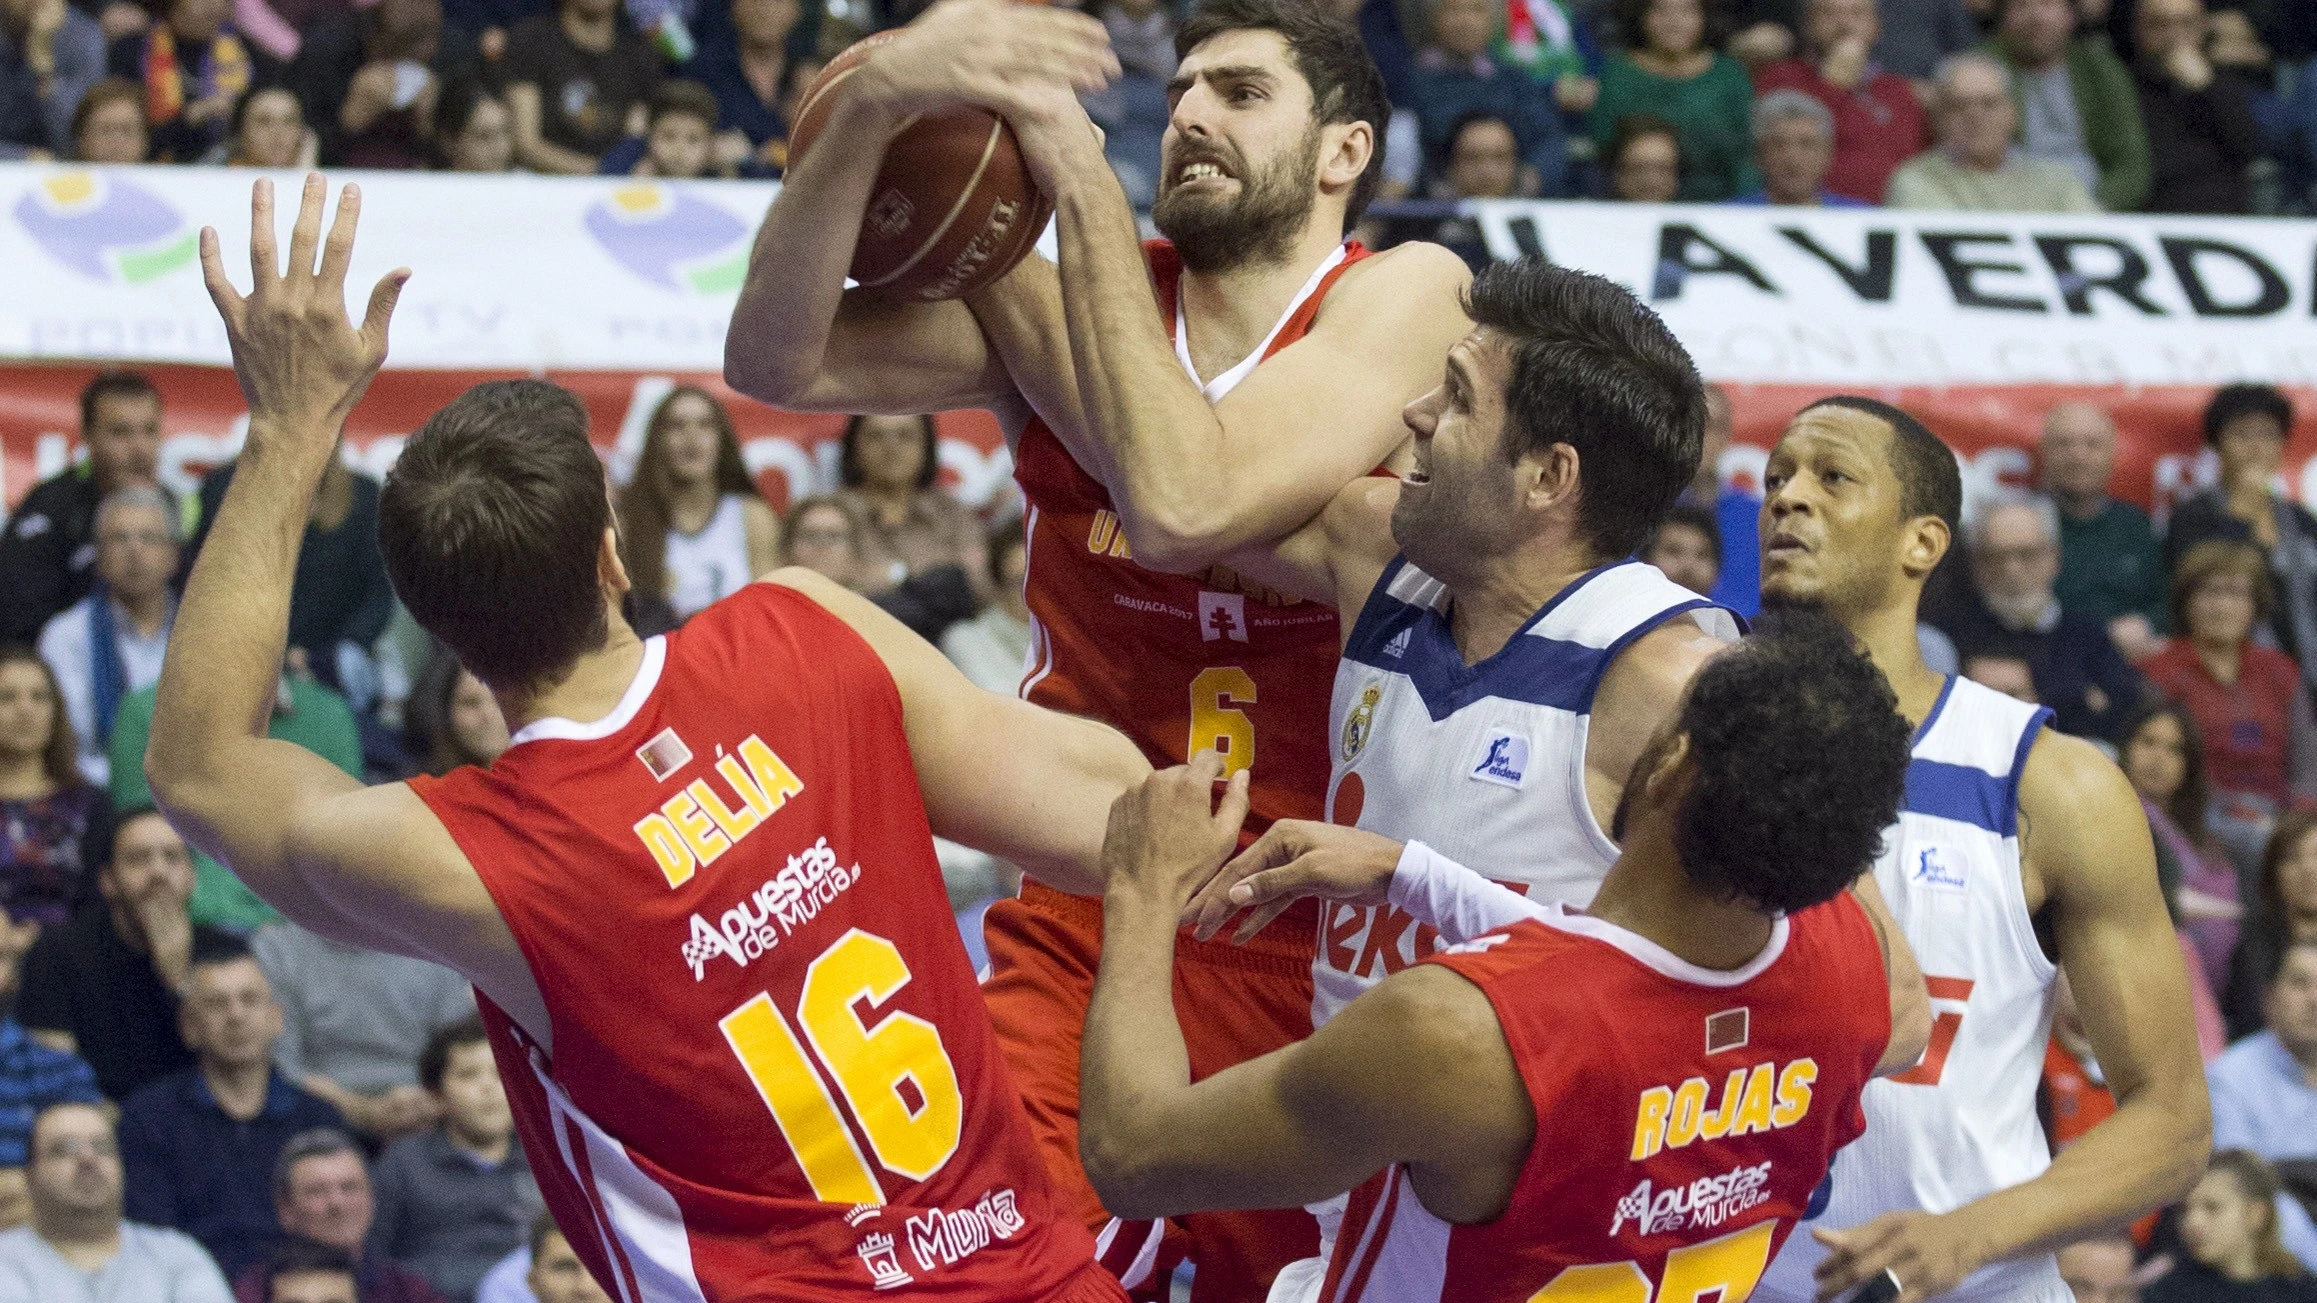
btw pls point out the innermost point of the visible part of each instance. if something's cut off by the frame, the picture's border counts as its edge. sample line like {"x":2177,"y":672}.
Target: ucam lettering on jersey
{"x":697,"y":825}
{"x":1701,"y":1205}
{"x":1764,"y":1097}
{"x":788,"y":900}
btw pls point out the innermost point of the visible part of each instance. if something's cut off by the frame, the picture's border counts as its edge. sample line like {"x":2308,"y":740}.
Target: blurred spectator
{"x":2260,"y":744}
{"x":749,"y":77}
{"x":1974,"y":165}
{"x":2246,"y":426}
{"x":1875,"y":120}
{"x":1552,"y":41}
{"x":2101,"y":1270}
{"x":105,"y":985}
{"x":373,"y":81}
{"x":340,"y":597}
{"x":993,"y":648}
{"x":112,"y":642}
{"x":78,"y":1248}
{"x":15,"y":1197}
{"x":1687,"y":547}
{"x":823,"y":535}
{"x":2161,"y":755}
{"x":2077,"y":105}
{"x":2110,"y":567}
{"x":679,"y":141}
{"x":200,"y":1144}
{"x":454,"y":720}
{"x":474,"y":129}
{"x":2263,"y":1099}
{"x":269,"y":130}
{"x":2076,"y":1096}
{"x":2229,"y":1234}
{"x":545,"y":1271}
{"x":32,"y":1076}
{"x":356,"y":1022}
{"x":1670,"y":68}
{"x":1456,"y":75}
{"x":1133,"y":110}
{"x":48,"y":551}
{"x":193,"y":66}
{"x":692,"y":524}
{"x":1643,"y":161}
{"x":577,"y":82}
{"x":2010,"y":675}
{"x":322,"y":1193}
{"x":50,"y":54}
{"x":1918,"y":35}
{"x":2201,"y":131}
{"x":1793,"y":143}
{"x":2014,"y":547}
{"x":305,"y":713}
{"x":2282,"y":913}
{"x":889,"y":466}
{"x":302,"y":1271}
{"x":1484,"y":162}
{"x":52,"y":819}
{"x":1737,"y":512}
{"x":108,"y":126}
{"x":455,"y":1199}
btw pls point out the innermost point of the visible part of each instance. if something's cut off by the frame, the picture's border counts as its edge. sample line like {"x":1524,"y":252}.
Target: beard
{"x":1255,"y":228}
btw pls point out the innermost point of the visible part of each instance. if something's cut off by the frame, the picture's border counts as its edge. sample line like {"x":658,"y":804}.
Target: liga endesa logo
{"x":106,"y":227}
{"x":673,"y":239}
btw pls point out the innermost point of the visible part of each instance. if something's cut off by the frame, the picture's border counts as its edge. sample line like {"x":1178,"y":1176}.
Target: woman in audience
{"x":1669,"y":67}
{"x":1643,"y":163}
{"x":52,"y":821}
{"x":692,"y":524}
{"x":909,"y":526}
{"x":454,"y":719}
{"x":2164,"y":759}
{"x":193,"y":67}
{"x":2247,"y":426}
{"x":269,"y":130}
{"x":109,"y":125}
{"x":2284,"y":911}
{"x":474,"y":129}
{"x":823,"y":535}
{"x":2228,"y":1230}
{"x":2260,"y":745}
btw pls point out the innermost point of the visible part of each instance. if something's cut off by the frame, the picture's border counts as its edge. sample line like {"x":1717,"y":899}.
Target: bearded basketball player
{"x":1166,"y":404}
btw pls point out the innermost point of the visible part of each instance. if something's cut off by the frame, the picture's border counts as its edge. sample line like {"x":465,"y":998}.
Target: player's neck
{"x":1229,"y":313}
{"x":1889,"y":638}
{"x":1492,"y":605}
{"x":592,"y":690}
{"x":1648,"y":893}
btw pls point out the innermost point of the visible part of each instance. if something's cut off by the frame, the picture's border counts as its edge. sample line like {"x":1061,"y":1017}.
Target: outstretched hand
{"x":301,"y":360}
{"x":1295,"y":858}
{"x":1169,"y":835}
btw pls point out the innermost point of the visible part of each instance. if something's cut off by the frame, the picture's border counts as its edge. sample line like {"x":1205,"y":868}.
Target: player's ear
{"x":1548,"y":478}
{"x":610,"y":570}
{"x":1345,"y":149}
{"x":1671,"y":765}
{"x":1924,"y":544}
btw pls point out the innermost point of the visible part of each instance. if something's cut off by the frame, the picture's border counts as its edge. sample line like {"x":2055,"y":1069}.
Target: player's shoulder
{"x":2068,"y":779}
{"x":1407,"y":274}
{"x":1416,"y":1031}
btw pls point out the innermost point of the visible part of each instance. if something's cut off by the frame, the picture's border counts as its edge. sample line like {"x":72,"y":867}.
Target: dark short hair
{"x":1345,"y":83}
{"x":455,"y":108}
{"x":490,"y":523}
{"x":1800,"y":758}
{"x":299,"y":1256}
{"x":314,"y":1142}
{"x":1594,"y":368}
{"x":248,"y":97}
{"x":103,"y":91}
{"x":211,"y":948}
{"x":1640,"y":126}
{"x":2211,"y":559}
{"x":849,"y":452}
{"x":1627,"y":19}
{"x":1689,"y":515}
{"x":2233,"y":401}
{"x":678,"y":95}
{"x":122,"y":819}
{"x":113,"y":384}
{"x":435,"y":1059}
{"x":1930,"y":483}
{"x":1472,"y":118}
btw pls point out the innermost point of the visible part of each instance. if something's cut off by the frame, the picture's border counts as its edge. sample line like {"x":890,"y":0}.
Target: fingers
{"x":338,"y":250}
{"x":221,"y":291}
{"x":306,"y":234}
{"x":1205,"y":767}
{"x":1259,"y":919}
{"x":383,"y":296}
{"x":264,"y":264}
{"x":1214,"y":906}
{"x":1231,"y":811}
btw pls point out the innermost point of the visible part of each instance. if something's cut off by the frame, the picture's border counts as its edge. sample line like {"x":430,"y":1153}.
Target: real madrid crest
{"x":1361,"y":722}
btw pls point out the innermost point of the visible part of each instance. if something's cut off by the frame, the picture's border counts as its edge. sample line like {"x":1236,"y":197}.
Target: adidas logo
{"x":1398,"y":647}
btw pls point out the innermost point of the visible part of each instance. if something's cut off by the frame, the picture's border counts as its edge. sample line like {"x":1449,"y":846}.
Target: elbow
{"x":1118,"y":1169}
{"x":2192,"y":1148}
{"x":1178,"y":541}
{"x":1910,"y":1029}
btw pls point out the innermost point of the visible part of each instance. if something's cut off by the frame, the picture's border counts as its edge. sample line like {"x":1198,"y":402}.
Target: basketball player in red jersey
{"x":698,"y":896}
{"x":1632,"y":1100}
{"x":1167,"y":404}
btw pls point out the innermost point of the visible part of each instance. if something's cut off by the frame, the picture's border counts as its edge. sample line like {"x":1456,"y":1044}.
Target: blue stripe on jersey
{"x":1381,"y":617}
{"x":1963,"y":793}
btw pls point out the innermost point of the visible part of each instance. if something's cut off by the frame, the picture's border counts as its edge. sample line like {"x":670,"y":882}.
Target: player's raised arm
{"x":798,"y":338}
{"x":2097,"y":866}
{"x":1026,"y":784}
{"x":1416,"y":1072}
{"x":1193,"y":481}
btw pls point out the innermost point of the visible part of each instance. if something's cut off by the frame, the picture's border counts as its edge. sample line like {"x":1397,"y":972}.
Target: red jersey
{"x":1179,"y":663}
{"x":772,"y":1073}
{"x":1684,"y":1116}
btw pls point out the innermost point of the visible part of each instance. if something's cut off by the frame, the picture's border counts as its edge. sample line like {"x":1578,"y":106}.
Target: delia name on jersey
{"x":1762,"y":1098}
{"x":698,"y":824}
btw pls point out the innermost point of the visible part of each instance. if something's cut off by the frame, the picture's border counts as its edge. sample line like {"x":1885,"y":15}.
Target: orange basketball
{"x":954,"y":207}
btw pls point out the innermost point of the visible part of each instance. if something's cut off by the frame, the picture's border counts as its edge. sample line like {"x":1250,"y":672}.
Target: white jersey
{"x":1961,"y":1124}
{"x":707,"y":567}
{"x":1485,"y":763}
